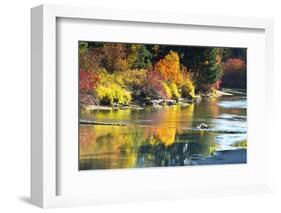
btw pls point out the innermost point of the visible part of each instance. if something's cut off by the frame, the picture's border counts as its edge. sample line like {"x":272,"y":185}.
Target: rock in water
{"x":202,"y":126}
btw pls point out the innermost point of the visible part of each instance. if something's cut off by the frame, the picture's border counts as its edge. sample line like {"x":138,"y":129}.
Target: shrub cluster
{"x":165,"y":81}
{"x":112,"y":73}
{"x":113,"y":93}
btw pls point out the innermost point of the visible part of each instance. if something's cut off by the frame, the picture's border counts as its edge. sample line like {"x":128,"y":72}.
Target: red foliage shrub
{"x":87,"y":81}
{"x":156,"y":83}
{"x":234,"y":65}
{"x":234,"y":73}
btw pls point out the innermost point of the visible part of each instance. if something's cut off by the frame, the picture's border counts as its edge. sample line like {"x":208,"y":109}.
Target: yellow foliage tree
{"x":187,"y":86}
{"x":174,"y":91}
{"x":112,"y":93}
{"x":167,"y":90}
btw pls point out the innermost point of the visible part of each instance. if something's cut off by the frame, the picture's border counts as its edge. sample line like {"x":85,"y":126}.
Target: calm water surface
{"x":166,"y":137}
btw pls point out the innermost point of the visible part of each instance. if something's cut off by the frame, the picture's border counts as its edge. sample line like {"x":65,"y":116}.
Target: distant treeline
{"x":115,"y":73}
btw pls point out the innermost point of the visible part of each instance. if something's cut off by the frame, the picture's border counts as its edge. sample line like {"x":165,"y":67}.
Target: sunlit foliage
{"x":167,"y":91}
{"x":133,"y":79}
{"x":115,"y":73}
{"x":112,"y":93}
{"x":187,"y":88}
{"x":169,"y":68}
{"x":174,"y":91}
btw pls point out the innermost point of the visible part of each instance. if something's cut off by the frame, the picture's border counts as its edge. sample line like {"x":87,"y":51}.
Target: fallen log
{"x":109,"y":124}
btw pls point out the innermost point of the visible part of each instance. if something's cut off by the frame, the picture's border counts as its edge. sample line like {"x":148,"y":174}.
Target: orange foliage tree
{"x":169,"y":68}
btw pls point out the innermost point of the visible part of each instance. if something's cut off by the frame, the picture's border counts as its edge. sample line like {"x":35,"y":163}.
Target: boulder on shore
{"x":162,"y":102}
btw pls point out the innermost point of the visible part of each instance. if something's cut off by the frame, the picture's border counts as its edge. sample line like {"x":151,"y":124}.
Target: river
{"x":167,"y":136}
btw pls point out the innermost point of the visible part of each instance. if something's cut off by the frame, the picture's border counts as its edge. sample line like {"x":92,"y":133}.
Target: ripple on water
{"x":232,"y":117}
{"x":241,"y":104}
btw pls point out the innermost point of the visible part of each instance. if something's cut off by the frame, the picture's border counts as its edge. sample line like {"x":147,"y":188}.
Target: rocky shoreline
{"x":158,"y":103}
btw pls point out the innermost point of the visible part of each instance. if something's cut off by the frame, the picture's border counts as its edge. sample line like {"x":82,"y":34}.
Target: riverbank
{"x":159,"y":103}
{"x":224,"y":157}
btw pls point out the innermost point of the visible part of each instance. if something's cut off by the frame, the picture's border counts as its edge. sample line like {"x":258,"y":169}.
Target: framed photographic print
{"x":132,"y":105}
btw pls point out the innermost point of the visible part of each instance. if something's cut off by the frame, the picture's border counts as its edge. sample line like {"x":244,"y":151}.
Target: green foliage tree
{"x":209,"y":70}
{"x":238,"y":53}
{"x":139,"y":57}
{"x":83,"y":46}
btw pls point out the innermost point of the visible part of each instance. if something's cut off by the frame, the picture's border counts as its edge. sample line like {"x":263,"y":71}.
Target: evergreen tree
{"x":209,"y":69}
{"x":139,"y":57}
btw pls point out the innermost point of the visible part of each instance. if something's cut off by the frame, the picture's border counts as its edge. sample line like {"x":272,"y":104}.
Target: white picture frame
{"x":44,"y":135}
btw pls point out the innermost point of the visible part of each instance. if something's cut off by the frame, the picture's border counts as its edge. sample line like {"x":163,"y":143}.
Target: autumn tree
{"x":89,"y":58}
{"x":156,"y":86}
{"x":169,"y":68}
{"x":114,"y":57}
{"x":88,"y":81}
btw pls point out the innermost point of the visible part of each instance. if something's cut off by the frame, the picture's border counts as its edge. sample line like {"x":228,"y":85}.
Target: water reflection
{"x":166,"y":137}
{"x":104,"y":147}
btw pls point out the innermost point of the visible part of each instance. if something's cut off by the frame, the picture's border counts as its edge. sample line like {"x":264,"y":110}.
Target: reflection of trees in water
{"x":126,"y":147}
{"x":206,"y":109}
{"x":98,"y":139}
{"x":108,"y":139}
{"x":105,"y":115}
{"x":165,"y":144}
{"x":176,"y":154}
{"x":173,"y":116}
{"x":104,"y":146}
{"x":169,"y":124}
{"x":161,"y":155}
{"x":165,"y":136}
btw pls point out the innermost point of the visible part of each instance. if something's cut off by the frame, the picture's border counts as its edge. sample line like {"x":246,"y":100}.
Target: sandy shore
{"x":224,"y":157}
